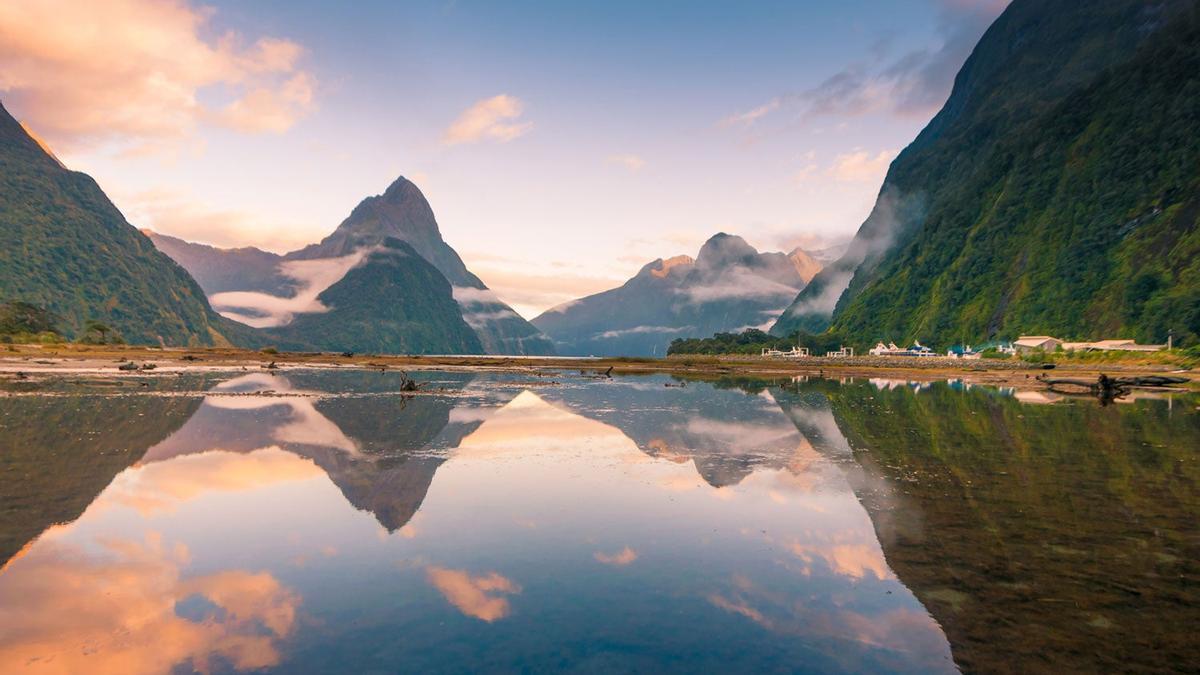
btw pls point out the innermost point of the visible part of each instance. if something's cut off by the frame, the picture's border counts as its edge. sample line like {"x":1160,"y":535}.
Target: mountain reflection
{"x":303,"y":521}
{"x":1042,"y":538}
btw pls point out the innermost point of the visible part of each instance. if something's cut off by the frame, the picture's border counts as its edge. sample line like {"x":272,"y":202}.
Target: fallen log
{"x":1111,"y":387}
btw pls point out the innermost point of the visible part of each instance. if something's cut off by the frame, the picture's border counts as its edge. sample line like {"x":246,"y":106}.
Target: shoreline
{"x":105,"y":359}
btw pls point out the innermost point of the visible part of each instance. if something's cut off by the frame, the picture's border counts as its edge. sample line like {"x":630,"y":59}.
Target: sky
{"x":562,"y":145}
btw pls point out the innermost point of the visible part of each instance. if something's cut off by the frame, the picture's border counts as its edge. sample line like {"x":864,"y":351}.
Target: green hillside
{"x":66,"y":249}
{"x":397,"y":303}
{"x":1057,"y":191}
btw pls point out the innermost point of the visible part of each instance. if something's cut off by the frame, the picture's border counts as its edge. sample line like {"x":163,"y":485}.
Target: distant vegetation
{"x":753,"y":341}
{"x":23,"y":322}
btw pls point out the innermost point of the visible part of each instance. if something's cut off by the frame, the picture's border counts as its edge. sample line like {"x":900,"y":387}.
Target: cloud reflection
{"x":162,"y":485}
{"x":126,"y":607}
{"x":480,"y":596}
{"x":618,"y":559}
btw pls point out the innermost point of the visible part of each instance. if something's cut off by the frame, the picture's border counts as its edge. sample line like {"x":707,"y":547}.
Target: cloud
{"x":160,"y":486}
{"x":619,"y":559}
{"x":177,"y":213}
{"x":494,"y":119}
{"x":914,"y":83}
{"x":125,"y":606}
{"x":852,"y":560}
{"x":483,"y":318}
{"x":631,"y":162}
{"x":531,"y":294}
{"x":477,"y":596}
{"x":860,"y":166}
{"x":143,"y":73}
{"x":739,"y":282}
{"x":263,"y":310}
{"x":751,"y":116}
{"x":739,"y":606}
{"x":264,"y":109}
{"x":468,"y":295}
{"x":483,"y":306}
{"x":637,"y":330}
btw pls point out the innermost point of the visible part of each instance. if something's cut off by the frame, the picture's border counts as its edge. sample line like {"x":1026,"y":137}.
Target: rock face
{"x":402,"y":214}
{"x":729,"y":286}
{"x":1047,"y":196}
{"x":66,"y":249}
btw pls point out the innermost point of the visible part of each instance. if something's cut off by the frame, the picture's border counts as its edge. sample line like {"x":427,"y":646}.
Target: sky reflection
{"x":490,"y":527}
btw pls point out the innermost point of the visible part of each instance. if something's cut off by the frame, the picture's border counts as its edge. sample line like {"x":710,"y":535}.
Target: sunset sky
{"x":561,"y":144}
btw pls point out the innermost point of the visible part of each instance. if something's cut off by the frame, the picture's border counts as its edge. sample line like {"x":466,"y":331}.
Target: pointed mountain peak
{"x":403,"y":189}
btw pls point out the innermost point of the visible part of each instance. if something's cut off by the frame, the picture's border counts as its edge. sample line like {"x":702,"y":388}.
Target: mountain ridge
{"x":67,"y":249}
{"x":728,"y":285}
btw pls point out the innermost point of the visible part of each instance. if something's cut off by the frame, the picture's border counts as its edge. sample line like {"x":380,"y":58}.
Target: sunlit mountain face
{"x":321,"y":521}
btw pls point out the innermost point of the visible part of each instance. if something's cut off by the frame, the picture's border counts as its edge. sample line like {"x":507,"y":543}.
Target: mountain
{"x":402,"y":212}
{"x":728,"y":286}
{"x":1010,"y":491}
{"x":219,"y":270}
{"x":66,"y":249}
{"x":233,"y":277}
{"x":60,"y":452}
{"x":391,"y":301}
{"x":1055,"y":191}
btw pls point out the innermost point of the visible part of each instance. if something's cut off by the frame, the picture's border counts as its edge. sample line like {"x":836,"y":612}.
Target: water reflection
{"x":319,"y":521}
{"x":1048,"y":538}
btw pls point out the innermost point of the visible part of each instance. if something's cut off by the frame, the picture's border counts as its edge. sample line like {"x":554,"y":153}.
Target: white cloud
{"x":493,"y":119}
{"x":481,"y":319}
{"x":636,"y":330}
{"x":263,"y":310}
{"x":631,"y":162}
{"x":740,"y":282}
{"x":132,"y":72}
{"x":467,"y":295}
{"x":861,"y":166}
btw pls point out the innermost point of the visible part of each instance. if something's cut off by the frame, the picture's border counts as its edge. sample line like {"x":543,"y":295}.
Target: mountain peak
{"x":723,"y":249}
{"x":403,"y":189}
{"x":806,"y":265}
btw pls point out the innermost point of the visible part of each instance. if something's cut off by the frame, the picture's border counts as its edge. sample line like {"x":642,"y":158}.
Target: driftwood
{"x":408,"y":384}
{"x":1109,"y":387}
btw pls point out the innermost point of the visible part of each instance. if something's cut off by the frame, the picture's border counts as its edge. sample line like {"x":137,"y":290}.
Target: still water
{"x":318,"y":521}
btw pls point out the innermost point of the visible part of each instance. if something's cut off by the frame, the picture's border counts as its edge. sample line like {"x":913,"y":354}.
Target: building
{"x":844,"y":352}
{"x":1036,"y":343}
{"x":1111,"y":346}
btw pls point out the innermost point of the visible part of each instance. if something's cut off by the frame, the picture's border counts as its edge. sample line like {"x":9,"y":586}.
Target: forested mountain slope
{"x":1056,"y":192}
{"x":65,"y":248}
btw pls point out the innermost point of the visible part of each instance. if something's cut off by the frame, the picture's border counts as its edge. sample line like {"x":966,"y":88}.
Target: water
{"x":317,"y":521}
